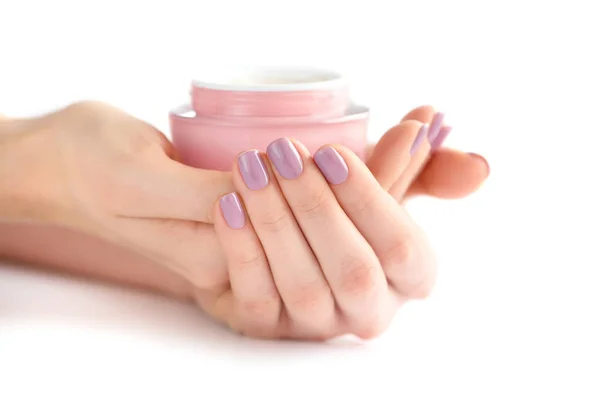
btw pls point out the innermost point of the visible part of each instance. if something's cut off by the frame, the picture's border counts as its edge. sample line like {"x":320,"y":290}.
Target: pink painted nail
{"x":419,"y":139}
{"x":285,"y":158}
{"x":332,"y":165}
{"x":232,"y":210}
{"x":439,"y":140}
{"x":253,"y":170}
{"x":436,"y":125}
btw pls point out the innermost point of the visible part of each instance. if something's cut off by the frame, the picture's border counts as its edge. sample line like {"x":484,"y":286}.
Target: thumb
{"x":176,"y":191}
{"x":198,"y":190}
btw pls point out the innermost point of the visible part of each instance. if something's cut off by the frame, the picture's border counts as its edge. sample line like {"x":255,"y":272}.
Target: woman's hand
{"x":97,"y":171}
{"x":316,"y":248}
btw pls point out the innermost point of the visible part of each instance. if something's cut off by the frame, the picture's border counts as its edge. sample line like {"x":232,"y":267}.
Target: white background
{"x":515,"y":313}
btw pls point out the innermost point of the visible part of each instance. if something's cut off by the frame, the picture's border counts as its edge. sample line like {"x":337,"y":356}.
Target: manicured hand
{"x":315,"y":247}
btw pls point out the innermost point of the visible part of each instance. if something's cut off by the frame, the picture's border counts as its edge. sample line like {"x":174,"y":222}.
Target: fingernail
{"x":483,"y":160}
{"x":439,"y":140}
{"x":332,"y":165}
{"x":285,"y":158}
{"x":419,"y":139}
{"x":253,"y":170}
{"x":436,"y":125}
{"x":232,"y":210}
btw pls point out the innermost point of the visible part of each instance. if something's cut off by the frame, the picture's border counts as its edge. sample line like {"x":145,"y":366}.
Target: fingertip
{"x":484,"y":163}
{"x":422,"y":114}
{"x":398,"y":137}
{"x":344,"y":151}
{"x":451,"y":174}
{"x":197,"y":190}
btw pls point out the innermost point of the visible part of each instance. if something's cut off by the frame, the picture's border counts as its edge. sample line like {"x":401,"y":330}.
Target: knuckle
{"x":261,"y":308}
{"x":89,"y":117}
{"x":364,"y":201}
{"x":275,"y":221}
{"x":83,"y":105}
{"x":317,"y":202}
{"x":400,"y":253}
{"x":307,"y":298}
{"x":412,"y":276}
{"x":88,"y":109}
{"x":315,"y":330}
{"x":250,"y":260}
{"x":358,"y":276}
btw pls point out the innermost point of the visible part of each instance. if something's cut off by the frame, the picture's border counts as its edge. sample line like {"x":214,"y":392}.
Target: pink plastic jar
{"x":239,"y":110}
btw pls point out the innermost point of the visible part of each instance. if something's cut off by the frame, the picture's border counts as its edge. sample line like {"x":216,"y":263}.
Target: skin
{"x":98,"y":190}
{"x":290,"y":280}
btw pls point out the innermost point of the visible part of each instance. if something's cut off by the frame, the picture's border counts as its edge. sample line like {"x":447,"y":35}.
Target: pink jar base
{"x":211,"y":143}
{"x":248,"y":109}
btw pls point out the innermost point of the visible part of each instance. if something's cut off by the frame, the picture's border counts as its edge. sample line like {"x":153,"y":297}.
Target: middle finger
{"x":348,"y":262}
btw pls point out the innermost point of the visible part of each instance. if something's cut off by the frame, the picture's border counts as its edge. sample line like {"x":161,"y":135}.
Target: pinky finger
{"x":256,"y":305}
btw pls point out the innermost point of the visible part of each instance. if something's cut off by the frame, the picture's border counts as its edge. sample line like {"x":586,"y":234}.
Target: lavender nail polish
{"x":439,"y":140}
{"x":436,"y":125}
{"x":253,"y":170}
{"x":232,"y":210}
{"x":332,"y":165}
{"x":419,"y":139}
{"x":285,"y":158}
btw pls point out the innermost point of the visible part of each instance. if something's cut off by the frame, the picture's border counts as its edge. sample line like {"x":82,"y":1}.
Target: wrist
{"x":28,"y":179}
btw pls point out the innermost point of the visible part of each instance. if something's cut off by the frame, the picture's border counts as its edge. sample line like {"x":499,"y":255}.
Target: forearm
{"x":11,"y":189}
{"x":24,"y":179}
{"x":27,"y":175}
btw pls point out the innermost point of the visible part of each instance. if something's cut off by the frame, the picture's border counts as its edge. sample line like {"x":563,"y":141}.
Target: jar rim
{"x":270,"y":79}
